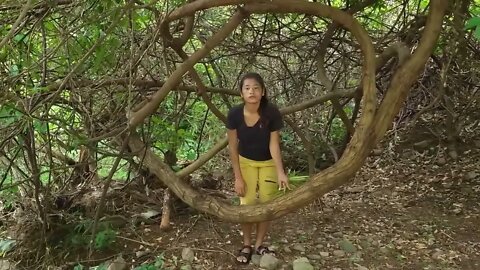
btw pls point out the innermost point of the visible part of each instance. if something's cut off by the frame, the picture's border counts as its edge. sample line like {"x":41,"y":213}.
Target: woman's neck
{"x":251,"y":108}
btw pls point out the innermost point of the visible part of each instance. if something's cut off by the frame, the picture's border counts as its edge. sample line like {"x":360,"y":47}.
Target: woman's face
{"x":252,"y":91}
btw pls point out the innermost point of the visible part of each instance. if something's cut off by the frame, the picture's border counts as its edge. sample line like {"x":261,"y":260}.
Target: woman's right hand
{"x":240,"y":187}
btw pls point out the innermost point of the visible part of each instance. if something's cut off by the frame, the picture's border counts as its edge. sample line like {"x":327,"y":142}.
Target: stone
{"x":437,"y":254}
{"x":141,"y":253}
{"x":314,"y":257}
{"x":283,"y":241}
{"x":299,"y":247}
{"x":6,"y":265}
{"x":324,"y":254}
{"x":118,"y":264}
{"x":269,"y":262}
{"x":256,"y":259}
{"x":347,"y":246}
{"x":302,"y":264}
{"x":186,"y":267}
{"x":361,"y":267}
{"x":337,"y":234}
{"x":188,"y":255}
{"x":471,"y":175}
{"x":384,"y":250}
{"x":338,"y":253}
{"x":287,"y":250}
{"x":441,"y":161}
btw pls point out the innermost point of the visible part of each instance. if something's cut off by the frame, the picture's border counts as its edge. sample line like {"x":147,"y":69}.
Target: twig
{"x":12,"y":31}
{"x":136,"y":241}
{"x":105,"y":189}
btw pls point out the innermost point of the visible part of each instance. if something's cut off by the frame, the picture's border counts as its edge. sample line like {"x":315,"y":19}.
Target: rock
{"x":269,"y":262}
{"x":361,"y":267}
{"x":453,"y":154}
{"x":6,"y":265}
{"x":188,"y":255}
{"x":437,"y":254}
{"x":347,"y":246}
{"x":186,"y":267}
{"x":150,"y":214}
{"x":353,"y":190}
{"x":377,"y":152}
{"x":256,"y":259}
{"x":471,"y":175}
{"x":339,"y":253}
{"x":441,"y":161}
{"x":141,"y":253}
{"x":287,"y":250}
{"x":118,"y":264}
{"x":283,"y":241}
{"x":324,"y":254}
{"x":384,"y":250}
{"x":365,"y":244}
{"x":302,"y":264}
{"x":299,"y":247}
{"x":337,"y":234}
{"x":314,"y":257}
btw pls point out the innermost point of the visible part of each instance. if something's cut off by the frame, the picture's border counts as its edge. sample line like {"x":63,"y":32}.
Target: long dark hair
{"x":264,"y":100}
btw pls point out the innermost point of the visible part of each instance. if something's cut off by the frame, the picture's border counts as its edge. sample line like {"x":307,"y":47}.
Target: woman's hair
{"x":264,"y":99}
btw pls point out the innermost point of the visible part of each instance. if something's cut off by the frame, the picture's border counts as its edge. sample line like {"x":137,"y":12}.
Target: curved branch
{"x":408,"y":72}
{"x":137,"y":117}
{"x":327,"y":180}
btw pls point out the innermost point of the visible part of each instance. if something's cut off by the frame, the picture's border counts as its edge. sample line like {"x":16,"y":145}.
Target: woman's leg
{"x":250,"y":176}
{"x":267,"y":188}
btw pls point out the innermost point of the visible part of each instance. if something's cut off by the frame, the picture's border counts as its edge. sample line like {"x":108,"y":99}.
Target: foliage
{"x":79,"y":238}
{"x":474,"y":24}
{"x":157,"y":264}
{"x":6,"y":245}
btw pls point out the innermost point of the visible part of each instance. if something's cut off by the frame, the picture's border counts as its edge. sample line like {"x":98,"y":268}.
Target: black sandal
{"x":243,"y":256}
{"x":262,"y":250}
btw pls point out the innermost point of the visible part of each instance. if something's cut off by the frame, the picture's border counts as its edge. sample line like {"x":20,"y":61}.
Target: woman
{"x":254,"y":144}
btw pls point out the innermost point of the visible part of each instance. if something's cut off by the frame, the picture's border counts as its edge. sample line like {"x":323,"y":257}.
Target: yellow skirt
{"x":261,"y":176}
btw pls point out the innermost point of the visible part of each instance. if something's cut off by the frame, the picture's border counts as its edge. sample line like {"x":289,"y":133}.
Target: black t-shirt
{"x":253,"y":142}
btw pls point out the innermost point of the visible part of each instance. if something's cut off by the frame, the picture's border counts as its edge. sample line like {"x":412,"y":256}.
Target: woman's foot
{"x":244,"y":254}
{"x":262,"y":250}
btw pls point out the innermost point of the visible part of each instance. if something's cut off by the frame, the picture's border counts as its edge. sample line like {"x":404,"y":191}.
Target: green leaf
{"x":6,"y":246}
{"x":14,"y":70}
{"x":19,"y":38}
{"x":40,"y":126}
{"x":477,"y":33}
{"x":191,"y":155}
{"x":472,"y":23}
{"x":78,"y":267}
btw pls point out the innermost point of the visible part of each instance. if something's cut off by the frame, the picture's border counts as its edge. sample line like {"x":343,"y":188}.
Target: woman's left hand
{"x":283,"y":182}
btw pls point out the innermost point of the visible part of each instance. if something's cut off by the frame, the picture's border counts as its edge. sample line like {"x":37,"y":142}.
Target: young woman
{"x":254,"y":144}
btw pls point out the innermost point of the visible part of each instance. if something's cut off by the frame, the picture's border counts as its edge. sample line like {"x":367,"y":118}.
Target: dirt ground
{"x":407,"y":208}
{"x":404,"y":210}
